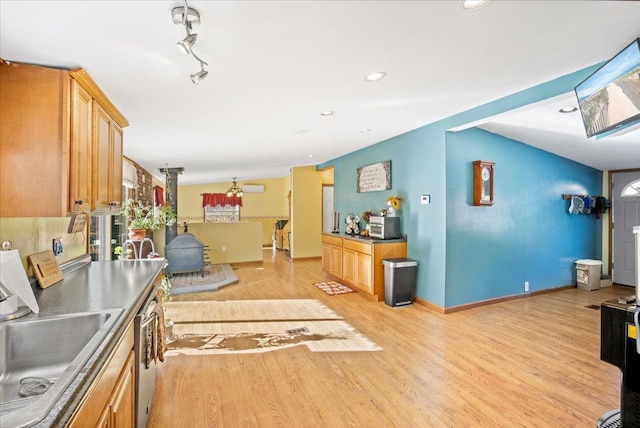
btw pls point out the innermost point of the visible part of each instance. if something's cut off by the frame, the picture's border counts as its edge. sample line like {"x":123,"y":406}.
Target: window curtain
{"x":129,"y":174}
{"x":158,"y":196}
{"x":215,"y":199}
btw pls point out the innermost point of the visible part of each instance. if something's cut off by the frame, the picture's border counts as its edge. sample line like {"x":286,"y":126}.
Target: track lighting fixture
{"x":189,"y":18}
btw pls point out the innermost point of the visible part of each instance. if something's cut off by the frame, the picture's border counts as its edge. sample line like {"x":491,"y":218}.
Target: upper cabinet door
{"x":34,"y":141}
{"x":101,"y":161}
{"x":81,"y":140}
{"x":115,"y":176}
{"x":107,"y":161}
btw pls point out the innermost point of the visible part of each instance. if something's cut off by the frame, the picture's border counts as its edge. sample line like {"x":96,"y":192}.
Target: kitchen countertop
{"x":366,"y":239}
{"x":95,"y":287}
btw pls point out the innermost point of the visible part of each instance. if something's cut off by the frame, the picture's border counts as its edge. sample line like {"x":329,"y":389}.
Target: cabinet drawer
{"x":332,"y":240}
{"x":360,"y":247}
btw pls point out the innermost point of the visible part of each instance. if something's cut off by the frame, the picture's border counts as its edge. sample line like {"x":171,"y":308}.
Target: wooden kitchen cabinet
{"x":357,"y":256}
{"x":363,"y":272}
{"x":361,"y":265}
{"x":110,"y":401}
{"x":332,"y":255}
{"x":48,"y":143}
{"x":107,"y":161}
{"x":80,"y":154}
{"x":34,"y":141}
{"x":105,"y":149}
{"x":122,"y":407}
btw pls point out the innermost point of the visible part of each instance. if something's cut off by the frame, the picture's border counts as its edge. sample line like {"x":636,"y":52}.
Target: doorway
{"x":327,"y":208}
{"x":625,"y":197}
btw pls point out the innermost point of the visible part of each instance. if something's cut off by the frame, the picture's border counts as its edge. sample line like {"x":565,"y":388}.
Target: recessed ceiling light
{"x":327,"y":113}
{"x":474,"y":4}
{"x":301,"y":131}
{"x":568,"y":109}
{"x":310,"y":156}
{"x":374,"y":77}
{"x":365,"y":130}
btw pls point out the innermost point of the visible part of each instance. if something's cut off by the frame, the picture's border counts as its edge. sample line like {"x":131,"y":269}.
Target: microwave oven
{"x":384,"y":227}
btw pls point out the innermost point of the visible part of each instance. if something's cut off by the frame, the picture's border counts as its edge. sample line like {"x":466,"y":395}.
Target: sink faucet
{"x":5,"y":293}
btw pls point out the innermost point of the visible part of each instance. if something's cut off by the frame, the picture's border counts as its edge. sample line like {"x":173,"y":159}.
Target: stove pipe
{"x":171,"y":193}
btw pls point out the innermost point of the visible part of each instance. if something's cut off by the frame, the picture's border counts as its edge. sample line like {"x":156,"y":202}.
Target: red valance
{"x":158,"y":196}
{"x":215,"y":199}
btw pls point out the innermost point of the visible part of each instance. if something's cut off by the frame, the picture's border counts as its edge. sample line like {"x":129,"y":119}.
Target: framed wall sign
{"x":374,"y":177}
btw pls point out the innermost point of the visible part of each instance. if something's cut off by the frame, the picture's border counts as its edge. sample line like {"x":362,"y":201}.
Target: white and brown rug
{"x":253,"y":326}
{"x":333,"y":288}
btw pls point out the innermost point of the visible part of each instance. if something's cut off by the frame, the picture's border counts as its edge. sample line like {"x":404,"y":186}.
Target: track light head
{"x":199,"y":76}
{"x":185,"y":45}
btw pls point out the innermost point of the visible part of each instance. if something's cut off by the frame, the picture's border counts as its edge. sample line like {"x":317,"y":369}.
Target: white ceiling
{"x":276,"y":65}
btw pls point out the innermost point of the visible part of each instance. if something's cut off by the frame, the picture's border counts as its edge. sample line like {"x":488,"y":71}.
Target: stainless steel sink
{"x":53,"y":349}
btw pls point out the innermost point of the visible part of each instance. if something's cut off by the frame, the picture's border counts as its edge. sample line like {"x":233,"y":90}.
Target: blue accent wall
{"x":528,"y":233}
{"x":423,"y":162}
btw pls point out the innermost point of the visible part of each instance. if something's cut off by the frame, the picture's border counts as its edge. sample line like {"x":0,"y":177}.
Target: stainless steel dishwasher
{"x":146,"y":354}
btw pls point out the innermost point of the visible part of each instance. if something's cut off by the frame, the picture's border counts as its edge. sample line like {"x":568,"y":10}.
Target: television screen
{"x":610,"y":97}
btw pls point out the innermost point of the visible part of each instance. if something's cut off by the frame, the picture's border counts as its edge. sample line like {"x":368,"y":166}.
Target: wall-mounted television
{"x":610,"y":97}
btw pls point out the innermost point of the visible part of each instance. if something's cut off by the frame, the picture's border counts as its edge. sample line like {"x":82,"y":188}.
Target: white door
{"x":327,"y":208}
{"x":626,"y":214}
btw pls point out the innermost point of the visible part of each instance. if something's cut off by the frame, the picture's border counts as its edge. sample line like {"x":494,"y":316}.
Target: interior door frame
{"x":611,"y":196}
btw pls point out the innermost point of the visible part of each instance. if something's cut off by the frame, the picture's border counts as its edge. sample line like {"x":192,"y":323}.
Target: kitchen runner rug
{"x":333,"y":288}
{"x":256,"y":326}
{"x":215,"y":277}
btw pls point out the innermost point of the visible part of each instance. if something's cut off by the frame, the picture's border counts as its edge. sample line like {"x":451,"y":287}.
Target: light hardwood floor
{"x":531,"y":362}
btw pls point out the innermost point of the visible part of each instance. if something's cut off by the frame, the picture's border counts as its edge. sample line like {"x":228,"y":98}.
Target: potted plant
{"x":366,"y":217}
{"x":122,"y":254}
{"x":143,"y":217}
{"x":393,"y":202}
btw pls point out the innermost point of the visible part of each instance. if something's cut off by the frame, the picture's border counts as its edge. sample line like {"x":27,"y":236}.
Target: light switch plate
{"x":425,"y":199}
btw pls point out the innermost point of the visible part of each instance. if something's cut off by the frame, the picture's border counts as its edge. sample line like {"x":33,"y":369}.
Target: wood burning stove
{"x":184,"y":254}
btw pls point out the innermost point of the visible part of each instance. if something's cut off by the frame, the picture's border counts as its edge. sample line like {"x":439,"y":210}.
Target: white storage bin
{"x":588,"y":274}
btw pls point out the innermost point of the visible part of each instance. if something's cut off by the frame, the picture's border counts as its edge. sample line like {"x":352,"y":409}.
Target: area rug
{"x":256,"y":326}
{"x":215,"y":277}
{"x":333,"y":288}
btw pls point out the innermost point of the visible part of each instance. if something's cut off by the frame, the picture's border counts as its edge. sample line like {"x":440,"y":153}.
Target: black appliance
{"x":146,"y":343}
{"x":184,"y":254}
{"x":618,"y":346}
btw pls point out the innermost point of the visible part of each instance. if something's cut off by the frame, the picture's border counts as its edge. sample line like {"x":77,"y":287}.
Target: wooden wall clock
{"x":483,"y":183}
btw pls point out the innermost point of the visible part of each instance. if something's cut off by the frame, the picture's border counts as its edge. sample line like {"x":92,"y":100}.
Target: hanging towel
{"x":160,"y":344}
{"x":148,"y":346}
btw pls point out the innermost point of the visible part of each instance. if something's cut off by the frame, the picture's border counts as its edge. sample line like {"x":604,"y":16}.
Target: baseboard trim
{"x":431,"y":307}
{"x":298,"y":259}
{"x":439,"y":309}
{"x":256,"y":263}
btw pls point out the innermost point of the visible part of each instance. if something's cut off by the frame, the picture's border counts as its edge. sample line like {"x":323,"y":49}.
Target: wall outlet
{"x":57,"y":246}
{"x":526,"y":286}
{"x":224,"y":248}
{"x":425,"y":199}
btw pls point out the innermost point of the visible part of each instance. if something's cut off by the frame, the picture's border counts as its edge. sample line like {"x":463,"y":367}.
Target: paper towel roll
{"x":14,"y":277}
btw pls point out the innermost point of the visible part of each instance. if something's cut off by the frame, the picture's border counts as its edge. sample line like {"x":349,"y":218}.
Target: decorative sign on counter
{"x":46,"y":268}
{"x":374,"y":177}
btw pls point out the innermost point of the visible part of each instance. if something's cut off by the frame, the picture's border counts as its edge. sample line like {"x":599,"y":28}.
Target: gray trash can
{"x":399,"y":281}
